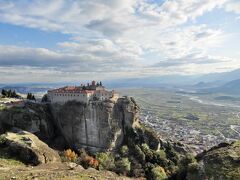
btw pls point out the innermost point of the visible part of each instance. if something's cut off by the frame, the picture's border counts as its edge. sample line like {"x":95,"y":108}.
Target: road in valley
{"x":238,"y":115}
{"x":233,"y":128}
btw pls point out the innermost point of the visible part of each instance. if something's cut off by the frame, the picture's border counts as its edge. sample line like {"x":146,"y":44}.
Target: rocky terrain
{"x":220,"y":162}
{"x":115,"y":141}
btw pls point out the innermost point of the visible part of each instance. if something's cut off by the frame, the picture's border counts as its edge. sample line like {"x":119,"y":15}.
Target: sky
{"x":76,"y":40}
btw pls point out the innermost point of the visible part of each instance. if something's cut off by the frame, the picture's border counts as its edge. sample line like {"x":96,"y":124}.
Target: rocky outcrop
{"x":28,"y":148}
{"x":97,"y":126}
{"x":220,"y":162}
{"x":34,"y":118}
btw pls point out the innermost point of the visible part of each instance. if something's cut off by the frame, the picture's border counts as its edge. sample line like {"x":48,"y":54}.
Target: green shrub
{"x":183,"y":165}
{"x":106,"y":160}
{"x":123,"y":165}
{"x":187,"y":159}
{"x":124,"y":151}
{"x":160,"y":158}
{"x":162,"y":153}
{"x":158,"y":173}
{"x":171,"y":153}
{"x":148,"y":152}
{"x":140,"y":156}
{"x":194,"y":171}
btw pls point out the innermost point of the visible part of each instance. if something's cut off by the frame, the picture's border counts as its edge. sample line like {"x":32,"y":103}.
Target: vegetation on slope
{"x":221,"y":162}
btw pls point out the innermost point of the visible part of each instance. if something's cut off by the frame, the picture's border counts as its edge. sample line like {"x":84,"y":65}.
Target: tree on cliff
{"x":9,"y":93}
{"x":4,"y":92}
{"x":45,"y":98}
{"x":30,"y":96}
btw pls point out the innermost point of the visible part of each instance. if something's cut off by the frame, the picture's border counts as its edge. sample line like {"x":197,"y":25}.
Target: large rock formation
{"x":28,"y":148}
{"x":99,"y":125}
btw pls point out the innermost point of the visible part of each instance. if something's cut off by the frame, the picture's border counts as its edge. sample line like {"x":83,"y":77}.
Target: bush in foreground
{"x":158,"y":173}
{"x":70,"y":155}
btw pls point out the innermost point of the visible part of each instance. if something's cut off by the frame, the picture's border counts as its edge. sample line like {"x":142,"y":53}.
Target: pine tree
{"x":33,"y":98}
{"x":9,"y":93}
{"x":14,"y":94}
{"x":45,"y":98}
{"x":30,"y":96}
{"x":4,"y":93}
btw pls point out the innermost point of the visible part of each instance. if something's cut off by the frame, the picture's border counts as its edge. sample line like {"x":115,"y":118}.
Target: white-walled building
{"x":81,"y":93}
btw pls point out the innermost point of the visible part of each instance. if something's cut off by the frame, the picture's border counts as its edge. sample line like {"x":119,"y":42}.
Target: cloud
{"x":172,"y":13}
{"x":106,"y":17}
{"x":124,"y":37}
{"x":195,"y":58}
{"x":233,"y":6}
{"x":76,"y":58}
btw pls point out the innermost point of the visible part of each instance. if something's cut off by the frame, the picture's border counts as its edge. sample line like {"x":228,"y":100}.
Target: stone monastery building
{"x":93,"y":92}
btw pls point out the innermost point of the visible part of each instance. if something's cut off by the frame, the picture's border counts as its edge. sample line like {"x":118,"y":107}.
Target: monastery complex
{"x":84,"y":93}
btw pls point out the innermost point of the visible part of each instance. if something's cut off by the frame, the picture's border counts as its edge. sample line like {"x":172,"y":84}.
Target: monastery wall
{"x":64,"y":97}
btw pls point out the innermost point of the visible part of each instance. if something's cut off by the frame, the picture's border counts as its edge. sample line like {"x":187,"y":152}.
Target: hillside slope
{"x":220,"y":162}
{"x":232,"y":87}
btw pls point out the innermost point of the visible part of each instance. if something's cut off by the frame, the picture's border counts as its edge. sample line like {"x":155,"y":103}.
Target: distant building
{"x":90,"y":92}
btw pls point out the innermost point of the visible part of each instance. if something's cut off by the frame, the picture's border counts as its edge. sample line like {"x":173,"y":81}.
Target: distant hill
{"x":232,"y":87}
{"x":25,"y":90}
{"x":221,"y":78}
{"x":194,"y":81}
{"x":211,"y":80}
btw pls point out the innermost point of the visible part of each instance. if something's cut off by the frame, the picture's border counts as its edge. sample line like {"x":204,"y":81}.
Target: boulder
{"x":28,"y":148}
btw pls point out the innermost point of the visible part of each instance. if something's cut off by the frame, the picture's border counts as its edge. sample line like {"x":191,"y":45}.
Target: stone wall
{"x":65,"y":97}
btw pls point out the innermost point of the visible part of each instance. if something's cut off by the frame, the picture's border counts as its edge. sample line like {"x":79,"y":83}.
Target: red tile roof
{"x":71,"y":89}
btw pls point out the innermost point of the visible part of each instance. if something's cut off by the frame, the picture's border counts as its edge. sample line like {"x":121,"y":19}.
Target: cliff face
{"x":98,"y":125}
{"x":31,"y":117}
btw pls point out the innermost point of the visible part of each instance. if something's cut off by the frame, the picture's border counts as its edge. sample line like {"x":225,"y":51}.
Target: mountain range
{"x":226,"y":82}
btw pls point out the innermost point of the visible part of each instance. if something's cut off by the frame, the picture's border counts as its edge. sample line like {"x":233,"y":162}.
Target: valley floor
{"x":200,"y":123}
